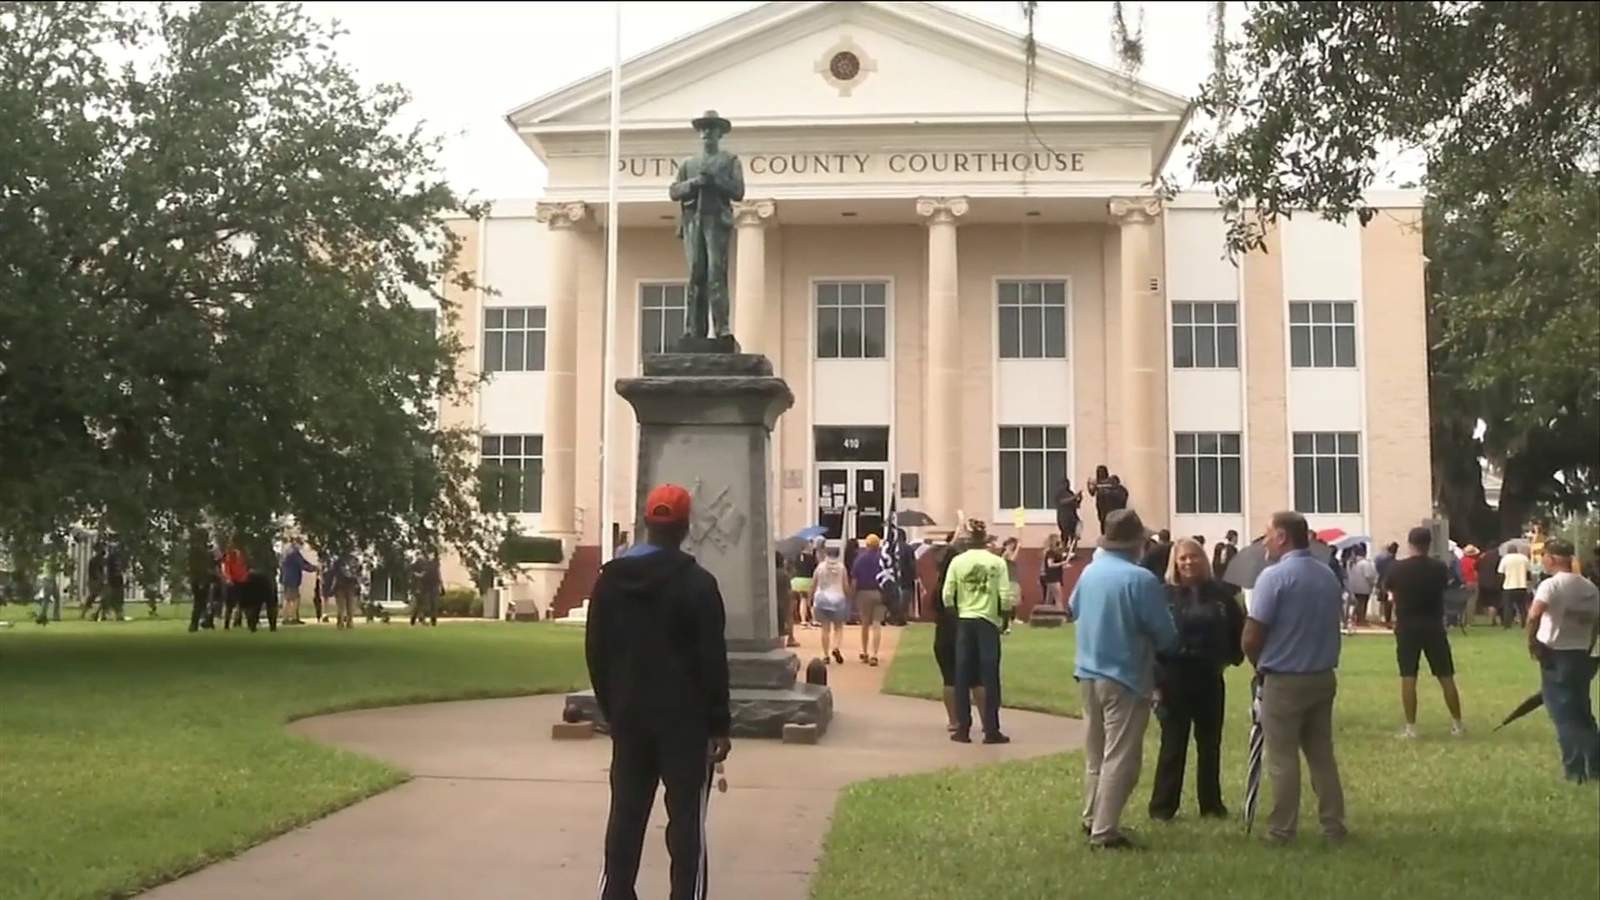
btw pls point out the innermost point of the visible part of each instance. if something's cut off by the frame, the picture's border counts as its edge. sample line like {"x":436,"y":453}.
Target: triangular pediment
{"x":839,"y":63}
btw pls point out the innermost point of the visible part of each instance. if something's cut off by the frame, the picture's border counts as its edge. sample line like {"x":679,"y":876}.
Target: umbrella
{"x":1329,"y":535}
{"x":1350,"y":540}
{"x":1523,"y":708}
{"x":1252,"y":772}
{"x":1252,"y":560}
{"x":791,"y":546}
{"x":913,"y":518}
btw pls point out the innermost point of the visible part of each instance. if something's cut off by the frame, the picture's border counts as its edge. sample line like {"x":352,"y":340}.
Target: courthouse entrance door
{"x":851,"y":471}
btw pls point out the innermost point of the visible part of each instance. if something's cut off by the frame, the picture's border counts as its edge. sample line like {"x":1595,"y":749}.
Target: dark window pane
{"x":1327,"y":485}
{"x":517,"y":317}
{"x":1321,"y":347}
{"x":827,"y":333}
{"x":1205,"y":313}
{"x":1185,"y":443}
{"x":536,"y":317}
{"x":1010,"y":438}
{"x":1030,"y":293}
{"x":875,"y":333}
{"x":1344,"y":346}
{"x":1300,"y":346}
{"x":1055,"y":332}
{"x":1033,"y":438}
{"x":1008,"y":293}
{"x":1206,"y":442}
{"x":1010,"y":339}
{"x":1033,"y":489}
{"x":1325,"y":441}
{"x":874,"y":293}
{"x":1182,"y":313}
{"x":1227,"y":346}
{"x":1349,"y":442}
{"x":1210,"y":481}
{"x":1230,"y":444}
{"x":1349,"y":484}
{"x":494,"y":359}
{"x":1055,"y":438}
{"x":1302,"y":442}
{"x":1305,"y":484}
{"x":1055,"y":293}
{"x":536,"y":351}
{"x":533,"y":486}
{"x":494,"y":318}
{"x":650,"y":296}
{"x":1344,"y":312}
{"x":516,"y":351}
{"x":1231,"y":501}
{"x":1188,"y":490}
{"x":827,"y":294}
{"x":850,"y":332}
{"x":850,"y":294}
{"x":1032,"y":332}
{"x":1321,"y":313}
{"x":1055,"y":469}
{"x":673,"y":325}
{"x":1227,"y":313}
{"x":1182,"y":347}
{"x":1010,"y":480}
{"x":1205,"y":347}
{"x":650,"y":331}
{"x":1299,"y":312}
{"x":676,"y":295}
{"x":491,"y":445}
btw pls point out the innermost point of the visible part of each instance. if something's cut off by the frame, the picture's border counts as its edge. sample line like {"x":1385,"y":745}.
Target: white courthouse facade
{"x":968,"y":303}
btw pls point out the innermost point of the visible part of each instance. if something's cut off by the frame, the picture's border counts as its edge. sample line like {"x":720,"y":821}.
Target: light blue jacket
{"x":1123,"y":621}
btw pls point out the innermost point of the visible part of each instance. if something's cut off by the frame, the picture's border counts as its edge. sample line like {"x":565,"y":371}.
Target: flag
{"x":893,"y":538}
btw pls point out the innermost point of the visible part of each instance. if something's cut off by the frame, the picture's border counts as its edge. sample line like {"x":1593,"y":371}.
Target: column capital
{"x":1134,"y":210}
{"x":753,"y":213}
{"x":564,"y":214}
{"x":941,"y":210}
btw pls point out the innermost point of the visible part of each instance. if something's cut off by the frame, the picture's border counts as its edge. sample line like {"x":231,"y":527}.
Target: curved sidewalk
{"x":498,"y":809}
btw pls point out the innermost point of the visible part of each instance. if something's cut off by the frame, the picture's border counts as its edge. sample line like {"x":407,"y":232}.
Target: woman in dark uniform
{"x":1068,"y":522}
{"x":944,"y":628}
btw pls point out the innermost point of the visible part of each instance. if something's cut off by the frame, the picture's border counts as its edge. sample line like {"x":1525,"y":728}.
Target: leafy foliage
{"x":206,"y":286}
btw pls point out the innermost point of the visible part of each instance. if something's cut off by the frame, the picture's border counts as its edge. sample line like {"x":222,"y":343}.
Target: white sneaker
{"x":1408,"y":733}
{"x":1457,"y":729}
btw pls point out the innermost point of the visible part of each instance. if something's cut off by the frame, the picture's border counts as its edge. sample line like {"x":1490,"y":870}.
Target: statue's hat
{"x":711,"y":118}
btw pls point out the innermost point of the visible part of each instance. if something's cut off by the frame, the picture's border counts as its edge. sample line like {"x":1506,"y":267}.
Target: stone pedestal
{"x":705,"y":422}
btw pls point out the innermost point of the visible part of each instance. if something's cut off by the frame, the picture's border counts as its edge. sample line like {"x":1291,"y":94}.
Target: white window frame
{"x":1332,"y":325}
{"x":1217,"y":456}
{"x":524,"y":459}
{"x":816,"y":306}
{"x":1204,"y":334}
{"x":665,"y":285}
{"x":1019,"y":305}
{"x":1334,"y":457}
{"x":1044,"y":450}
{"x":502,"y":333}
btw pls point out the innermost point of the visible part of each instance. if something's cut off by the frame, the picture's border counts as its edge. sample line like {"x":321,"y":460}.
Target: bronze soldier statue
{"x":706,"y":187}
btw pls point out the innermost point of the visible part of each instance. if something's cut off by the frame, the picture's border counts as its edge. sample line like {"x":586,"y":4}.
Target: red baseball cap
{"x":667,"y":503}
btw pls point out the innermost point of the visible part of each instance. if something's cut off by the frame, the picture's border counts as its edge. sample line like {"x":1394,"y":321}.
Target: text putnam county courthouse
{"x":967,"y":306}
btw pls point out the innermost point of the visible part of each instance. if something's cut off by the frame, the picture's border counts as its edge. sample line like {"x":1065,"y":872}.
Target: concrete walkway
{"x":497,"y":809}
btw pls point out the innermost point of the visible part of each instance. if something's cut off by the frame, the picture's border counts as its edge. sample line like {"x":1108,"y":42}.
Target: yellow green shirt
{"x":976,"y":585}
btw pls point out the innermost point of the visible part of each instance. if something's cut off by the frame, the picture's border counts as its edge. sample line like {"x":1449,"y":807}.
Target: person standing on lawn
{"x":1384,"y":560}
{"x":1189,"y":680}
{"x":1292,"y":637}
{"x":1223,"y":553}
{"x":946,"y":624}
{"x":869,"y":597}
{"x":291,"y":575}
{"x":1564,"y":636}
{"x":200,"y":566}
{"x":429,"y":583}
{"x":1416,"y":586}
{"x":1514,"y":569}
{"x":1123,"y":622}
{"x":1361,"y":580}
{"x":1051,"y":570}
{"x":1490,"y":583}
{"x":659,"y":665}
{"x":975,"y":587}
{"x":1008,"y":605}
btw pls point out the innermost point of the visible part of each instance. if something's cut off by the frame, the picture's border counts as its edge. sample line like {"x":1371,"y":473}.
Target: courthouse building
{"x":971,"y":290}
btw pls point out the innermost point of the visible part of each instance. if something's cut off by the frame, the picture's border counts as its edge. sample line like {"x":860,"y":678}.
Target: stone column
{"x":558,"y":516}
{"x":941,"y":422}
{"x":1143,"y":370}
{"x":750,"y":273}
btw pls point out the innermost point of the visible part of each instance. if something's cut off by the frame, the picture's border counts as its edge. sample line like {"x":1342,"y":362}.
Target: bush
{"x":460,"y":601}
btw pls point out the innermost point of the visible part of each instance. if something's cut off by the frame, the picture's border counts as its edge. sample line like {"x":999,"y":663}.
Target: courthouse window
{"x":1033,"y":319}
{"x":1327,"y":472}
{"x":1033,"y":461}
{"x":1205,"y":335}
{"x":513,"y":339}
{"x":1208,"y":466}
{"x":511,"y":473}
{"x":662,"y":309}
{"x":852,"y":320}
{"x":1322,"y":335}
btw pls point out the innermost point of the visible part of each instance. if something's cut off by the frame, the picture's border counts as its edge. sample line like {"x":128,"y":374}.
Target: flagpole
{"x":613,"y":230}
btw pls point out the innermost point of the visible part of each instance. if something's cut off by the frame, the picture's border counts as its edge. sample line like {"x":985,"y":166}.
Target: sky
{"x":468,"y":64}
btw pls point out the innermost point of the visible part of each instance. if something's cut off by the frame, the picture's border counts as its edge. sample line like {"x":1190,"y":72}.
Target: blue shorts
{"x":830,"y":608}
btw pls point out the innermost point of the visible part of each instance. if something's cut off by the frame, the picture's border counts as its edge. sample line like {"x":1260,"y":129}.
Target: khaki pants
{"x":1297,"y":717}
{"x":1113,"y":752}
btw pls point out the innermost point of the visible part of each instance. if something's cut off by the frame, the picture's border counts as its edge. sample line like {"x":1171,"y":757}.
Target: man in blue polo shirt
{"x":1292,"y":638}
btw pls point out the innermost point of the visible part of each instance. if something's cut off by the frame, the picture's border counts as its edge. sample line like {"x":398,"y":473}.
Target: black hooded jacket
{"x":657,"y":656}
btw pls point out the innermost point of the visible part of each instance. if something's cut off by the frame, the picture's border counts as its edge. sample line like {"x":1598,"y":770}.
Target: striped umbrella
{"x":1252,"y":775}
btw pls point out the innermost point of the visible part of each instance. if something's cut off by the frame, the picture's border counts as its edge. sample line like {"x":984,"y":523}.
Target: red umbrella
{"x":1329,"y":535}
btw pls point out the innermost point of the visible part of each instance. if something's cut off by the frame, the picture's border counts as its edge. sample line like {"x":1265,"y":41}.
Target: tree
{"x":205,"y":288}
{"x":1502,"y":103}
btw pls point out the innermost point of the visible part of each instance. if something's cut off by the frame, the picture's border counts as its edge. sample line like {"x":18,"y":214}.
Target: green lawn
{"x":1037,"y":667}
{"x":133,"y":752}
{"x":1483,"y":816}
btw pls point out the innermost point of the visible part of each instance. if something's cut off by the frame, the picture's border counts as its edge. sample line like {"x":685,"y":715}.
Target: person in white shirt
{"x":1514,"y":566}
{"x":1563,"y":632}
{"x":1360,"y":581}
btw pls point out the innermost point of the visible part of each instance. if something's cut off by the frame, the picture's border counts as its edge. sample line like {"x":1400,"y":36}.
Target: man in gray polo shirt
{"x":1292,"y":638}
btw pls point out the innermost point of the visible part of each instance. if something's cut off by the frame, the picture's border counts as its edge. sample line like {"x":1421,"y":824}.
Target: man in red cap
{"x":659,"y":665}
